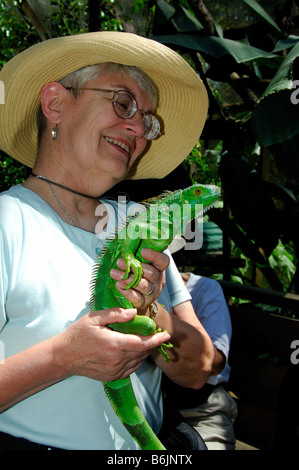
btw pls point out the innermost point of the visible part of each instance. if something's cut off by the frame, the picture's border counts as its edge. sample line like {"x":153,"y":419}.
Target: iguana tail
{"x":122,"y":398}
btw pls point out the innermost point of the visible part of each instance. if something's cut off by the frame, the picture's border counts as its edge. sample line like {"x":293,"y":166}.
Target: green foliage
{"x":68,"y":17}
{"x":203,"y":166}
{"x":109,"y":22}
{"x":16,"y":32}
{"x":284,"y":261}
{"x":263,"y":14}
{"x":11,"y":172}
{"x":138,"y":5}
{"x":16,"y":35}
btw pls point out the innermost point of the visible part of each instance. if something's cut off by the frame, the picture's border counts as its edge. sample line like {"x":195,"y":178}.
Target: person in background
{"x":214,"y":417}
{"x":210,"y":410}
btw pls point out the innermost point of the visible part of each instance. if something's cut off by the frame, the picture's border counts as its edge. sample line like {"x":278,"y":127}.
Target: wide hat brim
{"x":182,"y":108}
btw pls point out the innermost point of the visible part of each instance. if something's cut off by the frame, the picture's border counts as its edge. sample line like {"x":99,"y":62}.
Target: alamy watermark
{"x":158,"y":222}
{"x":295,"y":94}
{"x":2,"y":92}
{"x":295,"y":354}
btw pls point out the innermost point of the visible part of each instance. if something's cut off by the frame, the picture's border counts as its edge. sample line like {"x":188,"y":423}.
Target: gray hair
{"x":80,"y":77}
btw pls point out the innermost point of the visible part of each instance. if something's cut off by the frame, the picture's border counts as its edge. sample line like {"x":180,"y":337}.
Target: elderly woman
{"x":83,"y":122}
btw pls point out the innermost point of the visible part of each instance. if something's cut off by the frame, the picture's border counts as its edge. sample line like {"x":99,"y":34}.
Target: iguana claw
{"x":135,"y":265}
{"x":164,"y":346}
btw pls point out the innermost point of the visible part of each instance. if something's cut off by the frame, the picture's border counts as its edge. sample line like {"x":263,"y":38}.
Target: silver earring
{"x":54,"y":132}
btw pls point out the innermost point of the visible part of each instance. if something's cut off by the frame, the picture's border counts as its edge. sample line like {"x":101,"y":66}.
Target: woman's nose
{"x":135,"y":124}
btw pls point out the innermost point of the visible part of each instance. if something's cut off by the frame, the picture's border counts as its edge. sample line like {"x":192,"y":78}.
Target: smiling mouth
{"x":119,"y":144}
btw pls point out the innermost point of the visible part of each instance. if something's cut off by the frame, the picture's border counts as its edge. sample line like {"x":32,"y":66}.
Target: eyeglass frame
{"x":134,"y":108}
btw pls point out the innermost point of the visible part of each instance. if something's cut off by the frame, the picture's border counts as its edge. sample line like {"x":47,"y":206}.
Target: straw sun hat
{"x":182,"y":104}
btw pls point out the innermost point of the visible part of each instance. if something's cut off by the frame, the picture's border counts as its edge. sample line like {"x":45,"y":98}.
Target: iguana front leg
{"x":130,"y":248}
{"x":140,"y":235}
{"x":136,"y":232}
{"x":133,"y":265}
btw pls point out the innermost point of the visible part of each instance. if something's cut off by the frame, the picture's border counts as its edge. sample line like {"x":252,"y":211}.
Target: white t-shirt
{"x":45,"y":272}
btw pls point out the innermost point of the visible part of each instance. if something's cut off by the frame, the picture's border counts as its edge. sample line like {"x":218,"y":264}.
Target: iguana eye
{"x":197,"y":191}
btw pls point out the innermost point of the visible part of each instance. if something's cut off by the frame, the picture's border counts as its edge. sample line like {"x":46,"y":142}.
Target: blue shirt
{"x":211,"y":309}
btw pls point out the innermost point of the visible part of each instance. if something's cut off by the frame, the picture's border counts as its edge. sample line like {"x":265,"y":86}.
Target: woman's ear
{"x":52,"y":96}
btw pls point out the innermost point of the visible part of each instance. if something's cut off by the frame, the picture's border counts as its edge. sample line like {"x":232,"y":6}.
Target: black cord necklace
{"x":61,"y":186}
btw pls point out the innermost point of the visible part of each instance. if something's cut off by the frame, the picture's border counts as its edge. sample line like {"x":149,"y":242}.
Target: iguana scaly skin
{"x":164,"y":217}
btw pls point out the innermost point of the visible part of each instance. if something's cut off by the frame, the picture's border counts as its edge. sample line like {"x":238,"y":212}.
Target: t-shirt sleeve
{"x":175,"y":284}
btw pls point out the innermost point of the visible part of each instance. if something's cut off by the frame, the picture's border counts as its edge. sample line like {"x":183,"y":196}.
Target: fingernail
{"x":117,"y":273}
{"x":120,"y":263}
{"x":145,"y":253}
{"x":130,"y":312}
{"x":120,"y":285}
{"x":166,"y":337}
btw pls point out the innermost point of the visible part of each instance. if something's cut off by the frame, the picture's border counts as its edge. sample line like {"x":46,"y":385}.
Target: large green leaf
{"x":171,"y":18}
{"x":185,"y":22}
{"x":164,"y":10}
{"x":276,"y":117}
{"x":216,"y":47}
{"x":287,"y":43}
{"x":262,"y":13}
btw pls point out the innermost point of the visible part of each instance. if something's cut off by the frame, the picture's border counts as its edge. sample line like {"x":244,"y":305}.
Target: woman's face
{"x":95,"y":140}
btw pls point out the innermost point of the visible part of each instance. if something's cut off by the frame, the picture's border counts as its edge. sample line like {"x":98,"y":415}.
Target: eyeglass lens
{"x":125,"y":107}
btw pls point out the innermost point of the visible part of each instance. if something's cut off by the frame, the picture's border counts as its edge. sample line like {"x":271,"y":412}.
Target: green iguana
{"x":164,"y":217}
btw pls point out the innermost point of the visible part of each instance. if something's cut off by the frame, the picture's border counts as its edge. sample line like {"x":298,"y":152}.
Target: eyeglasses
{"x":125,"y":107}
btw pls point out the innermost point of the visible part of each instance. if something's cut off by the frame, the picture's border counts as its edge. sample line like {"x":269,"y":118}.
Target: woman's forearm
{"x":28,"y":372}
{"x":86,"y":348}
{"x":193,"y":354}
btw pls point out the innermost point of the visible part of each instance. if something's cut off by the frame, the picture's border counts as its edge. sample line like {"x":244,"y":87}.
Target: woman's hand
{"x":91,"y":349}
{"x":151,"y":284}
{"x":86,"y":348}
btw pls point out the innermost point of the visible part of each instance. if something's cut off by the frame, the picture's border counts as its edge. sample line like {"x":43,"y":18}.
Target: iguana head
{"x":187,"y":204}
{"x":200,"y":198}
